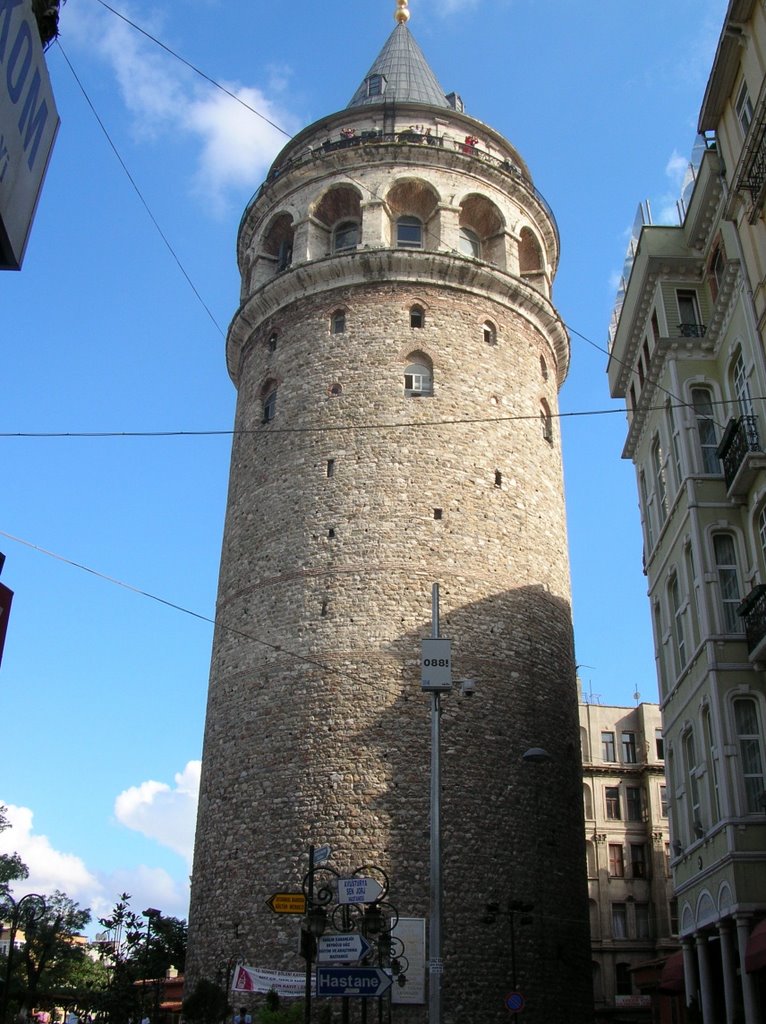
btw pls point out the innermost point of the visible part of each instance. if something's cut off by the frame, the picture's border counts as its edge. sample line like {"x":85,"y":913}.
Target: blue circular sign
{"x":515,"y":1002}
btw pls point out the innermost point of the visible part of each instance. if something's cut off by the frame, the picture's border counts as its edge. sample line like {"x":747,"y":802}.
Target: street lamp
{"x":18,"y":906}
{"x":151,"y":914}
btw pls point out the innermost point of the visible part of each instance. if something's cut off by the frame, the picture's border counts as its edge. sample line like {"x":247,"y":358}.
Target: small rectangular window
{"x":616,"y":861}
{"x":629,"y":747}
{"x":607,"y":746}
{"x":498,"y":478}
{"x":659,"y":744}
{"x":612,"y":798}
{"x":638,"y":860}
{"x":663,"y":801}
{"x":744,"y":108}
{"x":634,"y":803}
{"x":331,"y":467}
{"x":437,"y":513}
{"x":619,"y":921}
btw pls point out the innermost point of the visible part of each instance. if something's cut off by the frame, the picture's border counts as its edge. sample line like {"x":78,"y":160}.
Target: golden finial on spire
{"x":402,"y":15}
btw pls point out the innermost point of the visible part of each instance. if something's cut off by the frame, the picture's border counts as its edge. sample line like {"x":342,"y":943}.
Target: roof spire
{"x":402,"y":15}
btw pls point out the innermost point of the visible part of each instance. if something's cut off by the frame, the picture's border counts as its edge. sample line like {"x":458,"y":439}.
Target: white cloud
{"x":676,"y":167}
{"x":165,"y":99}
{"x":49,"y":869}
{"x":163,"y":813}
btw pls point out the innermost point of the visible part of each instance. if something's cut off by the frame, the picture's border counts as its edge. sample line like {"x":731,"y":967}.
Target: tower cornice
{"x":447,"y":271}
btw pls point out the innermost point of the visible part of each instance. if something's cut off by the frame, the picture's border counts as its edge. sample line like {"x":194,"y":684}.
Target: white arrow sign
{"x":342,"y":949}
{"x":358,"y":890}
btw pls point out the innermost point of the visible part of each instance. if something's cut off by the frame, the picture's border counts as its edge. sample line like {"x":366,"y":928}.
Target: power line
{"x":345,"y":428}
{"x":138,"y":192}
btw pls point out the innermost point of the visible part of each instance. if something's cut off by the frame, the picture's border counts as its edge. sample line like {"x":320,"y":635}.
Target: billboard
{"x":29,"y":122}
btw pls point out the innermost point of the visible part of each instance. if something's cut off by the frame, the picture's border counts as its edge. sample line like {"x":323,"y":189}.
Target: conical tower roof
{"x":408,"y":77}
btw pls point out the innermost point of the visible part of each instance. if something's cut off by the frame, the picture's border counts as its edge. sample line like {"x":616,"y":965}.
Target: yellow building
{"x":687,"y":355}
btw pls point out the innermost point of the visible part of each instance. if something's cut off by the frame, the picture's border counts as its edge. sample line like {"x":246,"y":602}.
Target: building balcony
{"x":691,"y":330}
{"x":741,"y":455}
{"x":753,"y":611}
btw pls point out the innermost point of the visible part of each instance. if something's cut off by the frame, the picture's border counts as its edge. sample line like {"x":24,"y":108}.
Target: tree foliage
{"x":12,"y":867}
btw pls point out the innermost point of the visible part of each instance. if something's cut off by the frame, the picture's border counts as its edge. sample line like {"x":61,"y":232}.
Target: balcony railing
{"x":753,"y":611}
{"x":739,"y":439}
{"x":691,"y":330}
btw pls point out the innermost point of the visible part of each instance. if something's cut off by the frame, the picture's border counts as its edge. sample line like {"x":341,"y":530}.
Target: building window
{"x":273,"y":342}
{"x":716,"y":271}
{"x":638,"y":860}
{"x":629,"y":748}
{"x":336,"y":390}
{"x":498,"y":478}
{"x":679,"y":638}
{"x":728,"y":581}
{"x":270,"y":406}
{"x":744,"y":108}
{"x":663,"y":801}
{"x":417,"y":317}
{"x":643,"y":925}
{"x":707,"y":437}
{"x":489,"y":332}
{"x":346,"y":236}
{"x":469,"y":243}
{"x":658,"y":474}
{"x":695,"y":807}
{"x":690,"y":322}
{"x":587,"y":799}
{"x":707,"y":725}
{"x":762,"y":533}
{"x":646,"y":510}
{"x":284,"y":254}
{"x":607,"y":746}
{"x":376,"y":85}
{"x":543,"y":368}
{"x":619,"y":921}
{"x":675,"y":444}
{"x":673,"y":915}
{"x":409,"y":233}
{"x":616,"y":861}
{"x":418,"y":380}
{"x":546,"y":422}
{"x":330,"y":467}
{"x":634,"y":803}
{"x":750,"y":753}
{"x":612,"y":796}
{"x":741,"y":384}
{"x":659,"y":744}
{"x":338,"y":322}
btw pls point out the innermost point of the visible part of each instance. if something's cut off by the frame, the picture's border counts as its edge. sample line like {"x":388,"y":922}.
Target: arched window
{"x":489,"y":332}
{"x":273,"y":342}
{"x":345,"y":236}
{"x":750,"y":748}
{"x":338,"y":321}
{"x":546,"y":422}
{"x":417,"y":316}
{"x":418,"y":378}
{"x":530,"y":253}
{"x":587,"y":799}
{"x":469,"y":244}
{"x":270,"y":403}
{"x":725,"y":554}
{"x":336,"y":390}
{"x":702,"y":403}
{"x":741,"y":385}
{"x":409,"y":233}
{"x":543,"y":368}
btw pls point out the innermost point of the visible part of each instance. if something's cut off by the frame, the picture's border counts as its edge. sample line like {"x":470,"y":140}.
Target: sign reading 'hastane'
{"x":28,"y":126}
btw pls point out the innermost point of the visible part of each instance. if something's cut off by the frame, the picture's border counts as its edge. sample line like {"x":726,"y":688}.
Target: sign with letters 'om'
{"x":28,"y":126}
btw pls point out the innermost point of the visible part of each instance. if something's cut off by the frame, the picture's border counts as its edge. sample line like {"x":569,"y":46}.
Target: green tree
{"x":206,"y":1004}
{"x":12,"y":867}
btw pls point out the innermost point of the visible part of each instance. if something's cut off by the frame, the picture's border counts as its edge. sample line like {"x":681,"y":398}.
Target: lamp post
{"x":17,"y":908}
{"x":151,"y":914}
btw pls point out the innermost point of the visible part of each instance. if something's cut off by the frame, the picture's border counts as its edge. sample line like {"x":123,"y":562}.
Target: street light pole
{"x":435,"y":965}
{"x":14,"y":926}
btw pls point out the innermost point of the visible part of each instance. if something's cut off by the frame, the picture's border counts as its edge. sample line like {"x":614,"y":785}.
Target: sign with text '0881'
{"x":436,"y":665}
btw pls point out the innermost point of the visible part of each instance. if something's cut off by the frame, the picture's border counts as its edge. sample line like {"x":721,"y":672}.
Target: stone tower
{"x":397,"y":359}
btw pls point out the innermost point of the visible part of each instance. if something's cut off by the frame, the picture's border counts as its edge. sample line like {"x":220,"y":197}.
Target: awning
{"x":755,"y":957}
{"x":672,"y":977}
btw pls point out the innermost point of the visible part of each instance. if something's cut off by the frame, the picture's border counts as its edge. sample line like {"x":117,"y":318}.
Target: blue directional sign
{"x":352,"y":981}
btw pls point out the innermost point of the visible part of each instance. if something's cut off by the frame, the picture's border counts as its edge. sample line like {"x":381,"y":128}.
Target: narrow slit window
{"x":273,"y":342}
{"x":338,"y":322}
{"x":437,"y":513}
{"x":330,"y":467}
{"x":498,"y":478}
{"x":417,"y":316}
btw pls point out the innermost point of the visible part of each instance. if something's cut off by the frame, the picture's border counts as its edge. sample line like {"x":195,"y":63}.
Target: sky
{"x":112,"y":543}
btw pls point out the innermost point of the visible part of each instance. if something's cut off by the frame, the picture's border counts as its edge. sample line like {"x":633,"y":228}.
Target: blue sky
{"x":102,"y":690}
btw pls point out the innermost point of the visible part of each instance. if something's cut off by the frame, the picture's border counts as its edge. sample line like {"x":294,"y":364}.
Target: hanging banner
{"x":288,"y":984}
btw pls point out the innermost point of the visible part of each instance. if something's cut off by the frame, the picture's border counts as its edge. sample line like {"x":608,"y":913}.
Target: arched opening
{"x":413,"y":208}
{"x":418,"y":376}
{"x":482,"y":230}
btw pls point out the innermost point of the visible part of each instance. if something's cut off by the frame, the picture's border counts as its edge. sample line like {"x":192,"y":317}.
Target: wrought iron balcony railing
{"x":691,"y":330}
{"x":753,"y":611}
{"x":739,"y":439}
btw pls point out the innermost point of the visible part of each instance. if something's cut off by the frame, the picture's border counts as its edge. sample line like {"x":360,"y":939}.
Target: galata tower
{"x":397,"y":359}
